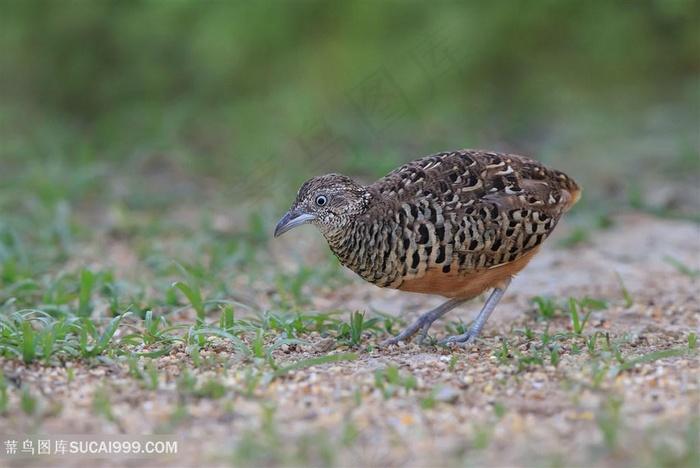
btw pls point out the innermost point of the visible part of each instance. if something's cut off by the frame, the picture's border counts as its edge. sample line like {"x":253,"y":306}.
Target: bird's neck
{"x":341,"y":238}
{"x":336,"y":239}
{"x":342,"y":243}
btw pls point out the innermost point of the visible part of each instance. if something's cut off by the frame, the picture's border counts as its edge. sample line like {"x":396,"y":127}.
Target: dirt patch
{"x":481,"y":406}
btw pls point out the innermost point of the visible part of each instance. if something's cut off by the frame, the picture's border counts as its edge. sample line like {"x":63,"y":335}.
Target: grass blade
{"x":194,"y":295}
{"x":657,"y":355}
{"x":109,"y":331}
{"x":28,"y":342}
{"x":681,"y":267}
{"x":245,"y":349}
{"x":315,"y":362}
{"x":87,"y":284}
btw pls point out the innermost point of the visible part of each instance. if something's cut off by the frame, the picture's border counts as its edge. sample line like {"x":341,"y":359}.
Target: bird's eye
{"x":321,"y":200}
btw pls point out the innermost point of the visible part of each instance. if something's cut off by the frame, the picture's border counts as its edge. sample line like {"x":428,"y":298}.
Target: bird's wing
{"x":479,"y":210}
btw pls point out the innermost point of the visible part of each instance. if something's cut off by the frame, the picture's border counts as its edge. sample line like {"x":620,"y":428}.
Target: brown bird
{"x":454,"y":224}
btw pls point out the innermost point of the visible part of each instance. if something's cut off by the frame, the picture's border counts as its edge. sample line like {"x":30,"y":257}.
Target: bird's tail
{"x":570,"y":186}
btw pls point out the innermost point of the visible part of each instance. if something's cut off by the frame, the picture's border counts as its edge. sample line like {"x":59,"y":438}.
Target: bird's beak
{"x":291,"y":220}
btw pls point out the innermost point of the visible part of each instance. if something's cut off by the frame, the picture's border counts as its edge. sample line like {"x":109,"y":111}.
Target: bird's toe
{"x":464,"y":340}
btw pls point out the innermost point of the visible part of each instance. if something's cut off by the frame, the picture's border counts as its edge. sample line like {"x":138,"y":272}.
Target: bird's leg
{"x":467,"y":338}
{"x":425,"y":321}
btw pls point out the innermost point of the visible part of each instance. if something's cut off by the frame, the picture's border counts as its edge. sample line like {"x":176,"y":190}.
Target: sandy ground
{"x":585,"y":411}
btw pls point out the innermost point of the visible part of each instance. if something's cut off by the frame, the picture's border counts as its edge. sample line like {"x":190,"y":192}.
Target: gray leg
{"x":467,"y":338}
{"x":425,"y":321}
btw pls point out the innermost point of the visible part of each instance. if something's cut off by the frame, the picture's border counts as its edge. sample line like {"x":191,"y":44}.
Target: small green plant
{"x":4,"y":397}
{"x":268,"y":420}
{"x":193,"y":351}
{"x":92,"y":342}
{"x":227,"y":318}
{"x":351,"y":334}
{"x":211,"y":388}
{"x":251,"y":378}
{"x":625,"y":292}
{"x":599,"y":370}
{"x":604,"y":220}
{"x":635,"y":196}
{"x":101,"y":404}
{"x":29,"y":342}
{"x":546,"y":338}
{"x":389,"y":380}
{"x":554,"y":355}
{"x":153,"y":328}
{"x":429,"y":402}
{"x":453,"y":362}
{"x":28,"y":402}
{"x":692,"y":344}
{"x":666,"y":353}
{"x":379,"y":378}
{"x":618,"y":353}
{"x":574,"y":349}
{"x":88,"y":283}
{"x":386,"y":322}
{"x":357,"y":396}
{"x":258,"y":345}
{"x":190,"y":288}
{"x":683,"y":268}
{"x":528,"y":333}
{"x":146,"y":373}
{"x":499,"y":409}
{"x":546,"y":306}
{"x":350,"y":434}
{"x":593,"y":303}
{"x":576,"y":237}
{"x":591,"y":342}
{"x":315,"y":361}
{"x":578,"y":323}
{"x":456,"y":327}
{"x":609,"y":421}
{"x":186,"y":382}
{"x":179,"y":416}
{"x":504,"y":354}
{"x":482,"y":436}
{"x":534,"y":358}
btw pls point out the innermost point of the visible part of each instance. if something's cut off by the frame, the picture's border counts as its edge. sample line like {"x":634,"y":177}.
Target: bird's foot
{"x":464,"y":340}
{"x":424,"y":322}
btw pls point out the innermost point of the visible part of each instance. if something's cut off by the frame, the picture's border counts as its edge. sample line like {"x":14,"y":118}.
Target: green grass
{"x":609,"y":421}
{"x":625,"y":292}
{"x":314,"y":362}
{"x":351,"y":333}
{"x":390,"y":380}
{"x":683,"y":268}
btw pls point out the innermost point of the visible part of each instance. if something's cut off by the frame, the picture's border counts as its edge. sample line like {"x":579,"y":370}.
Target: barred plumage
{"x":453,"y":223}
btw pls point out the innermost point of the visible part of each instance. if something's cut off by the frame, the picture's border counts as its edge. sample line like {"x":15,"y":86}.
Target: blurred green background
{"x":145,"y":106}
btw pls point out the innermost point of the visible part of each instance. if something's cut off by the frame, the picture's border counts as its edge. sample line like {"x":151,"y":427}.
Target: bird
{"x":453,"y":224}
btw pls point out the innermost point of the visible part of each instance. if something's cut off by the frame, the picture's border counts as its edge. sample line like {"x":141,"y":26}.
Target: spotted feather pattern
{"x":457,"y":212}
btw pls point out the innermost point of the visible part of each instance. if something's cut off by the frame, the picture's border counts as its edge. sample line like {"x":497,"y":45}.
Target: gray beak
{"x":291,"y":220}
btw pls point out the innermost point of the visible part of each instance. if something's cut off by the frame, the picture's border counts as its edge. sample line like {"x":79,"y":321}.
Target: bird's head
{"x":330,"y":202}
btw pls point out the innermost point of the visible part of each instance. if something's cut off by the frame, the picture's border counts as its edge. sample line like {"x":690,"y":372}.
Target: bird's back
{"x":451,"y":221}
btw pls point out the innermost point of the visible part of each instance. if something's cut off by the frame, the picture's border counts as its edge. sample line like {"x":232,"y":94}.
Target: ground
{"x":544,"y":386}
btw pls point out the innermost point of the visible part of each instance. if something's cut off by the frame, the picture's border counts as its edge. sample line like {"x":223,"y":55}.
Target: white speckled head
{"x":329,"y":202}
